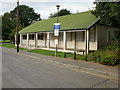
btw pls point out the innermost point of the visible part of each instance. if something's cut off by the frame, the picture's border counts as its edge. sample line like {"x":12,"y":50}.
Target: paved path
{"x":27,"y":70}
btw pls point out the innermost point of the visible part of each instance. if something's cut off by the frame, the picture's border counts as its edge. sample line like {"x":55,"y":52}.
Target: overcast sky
{"x":46,"y":7}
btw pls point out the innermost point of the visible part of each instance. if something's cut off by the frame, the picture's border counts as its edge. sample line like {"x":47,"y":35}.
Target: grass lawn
{"x":59,"y":54}
{"x":12,"y":46}
{"x":47,"y":52}
{"x":5,"y":41}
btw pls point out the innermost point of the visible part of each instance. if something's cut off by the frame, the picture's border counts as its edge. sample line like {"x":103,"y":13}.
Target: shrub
{"x":94,"y":56}
{"x":107,"y":61}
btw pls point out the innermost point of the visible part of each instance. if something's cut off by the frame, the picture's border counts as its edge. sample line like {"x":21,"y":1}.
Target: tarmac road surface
{"x":20,"y":71}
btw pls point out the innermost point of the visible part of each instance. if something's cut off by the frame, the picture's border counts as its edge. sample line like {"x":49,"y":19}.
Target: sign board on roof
{"x":56,"y":29}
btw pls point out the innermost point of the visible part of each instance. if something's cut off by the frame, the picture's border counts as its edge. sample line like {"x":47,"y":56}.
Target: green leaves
{"x":62,"y":12}
{"x":27,"y":16}
{"x":109,"y":12}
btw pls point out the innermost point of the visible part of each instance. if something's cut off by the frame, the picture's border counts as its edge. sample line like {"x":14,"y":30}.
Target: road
{"x":20,"y":71}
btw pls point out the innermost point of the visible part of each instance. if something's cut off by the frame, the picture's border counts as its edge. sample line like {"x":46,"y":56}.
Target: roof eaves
{"x":93,"y":23}
{"x":53,"y":30}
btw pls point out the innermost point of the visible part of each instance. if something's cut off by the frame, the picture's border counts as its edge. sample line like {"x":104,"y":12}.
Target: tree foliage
{"x":109,"y":13}
{"x":62,"y":12}
{"x":7,"y":25}
{"x":27,"y":16}
{"x":0,"y":27}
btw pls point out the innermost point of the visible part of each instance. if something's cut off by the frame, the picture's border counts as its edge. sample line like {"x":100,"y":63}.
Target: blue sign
{"x":57,"y":26}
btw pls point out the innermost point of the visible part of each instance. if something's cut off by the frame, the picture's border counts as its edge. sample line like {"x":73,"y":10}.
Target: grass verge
{"x":5,"y":41}
{"x":103,"y":53}
{"x":59,"y":54}
{"x":12,"y":46}
{"x":47,"y":52}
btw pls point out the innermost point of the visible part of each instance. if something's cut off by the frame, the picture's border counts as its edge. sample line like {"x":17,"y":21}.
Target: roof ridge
{"x":65,"y":15}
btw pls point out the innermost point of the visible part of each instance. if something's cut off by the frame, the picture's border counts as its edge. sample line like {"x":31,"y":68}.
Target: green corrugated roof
{"x":73,"y":21}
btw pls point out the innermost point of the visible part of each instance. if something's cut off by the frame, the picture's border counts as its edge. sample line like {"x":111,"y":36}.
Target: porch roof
{"x":82,"y":20}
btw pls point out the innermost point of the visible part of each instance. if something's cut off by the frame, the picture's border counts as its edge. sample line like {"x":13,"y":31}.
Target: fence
{"x":97,"y":59}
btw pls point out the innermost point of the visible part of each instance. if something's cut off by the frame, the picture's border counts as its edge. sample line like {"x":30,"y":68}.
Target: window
{"x":80,"y":36}
{"x":92,"y":34}
{"x":31,"y":36}
{"x":69,"y":36}
{"x":24,"y":36}
{"x":40,"y":36}
{"x":61,"y":36}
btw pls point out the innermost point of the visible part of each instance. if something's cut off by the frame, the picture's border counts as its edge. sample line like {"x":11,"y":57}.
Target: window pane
{"x":40,"y":36}
{"x":92,"y":34}
{"x":24,"y":36}
{"x":69,"y":36}
{"x":80,"y":36}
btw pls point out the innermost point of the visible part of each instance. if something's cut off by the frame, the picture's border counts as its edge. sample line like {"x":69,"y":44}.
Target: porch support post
{"x":27,"y":39}
{"x":36,"y":40}
{"x":48,"y":39}
{"x":20,"y":39}
{"x":87,"y":41}
{"x":74,"y":40}
{"x":97,"y":43}
{"x":64,"y":40}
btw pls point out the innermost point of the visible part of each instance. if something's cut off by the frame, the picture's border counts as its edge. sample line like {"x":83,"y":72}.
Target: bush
{"x":94,"y":57}
{"x":107,"y":61}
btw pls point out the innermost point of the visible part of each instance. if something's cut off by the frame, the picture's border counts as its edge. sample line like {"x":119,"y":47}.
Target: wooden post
{"x":17,"y":26}
{"x":27,"y":39}
{"x":87,"y":41}
{"x":64,"y":40}
{"x":74,"y":40}
{"x":36,"y":40}
{"x":48,"y":40}
{"x":86,"y":44}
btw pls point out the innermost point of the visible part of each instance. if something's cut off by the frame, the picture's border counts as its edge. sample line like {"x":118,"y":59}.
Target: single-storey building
{"x":79,"y":32}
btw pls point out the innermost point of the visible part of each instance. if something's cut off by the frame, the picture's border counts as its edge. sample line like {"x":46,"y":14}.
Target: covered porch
{"x":72,"y":40}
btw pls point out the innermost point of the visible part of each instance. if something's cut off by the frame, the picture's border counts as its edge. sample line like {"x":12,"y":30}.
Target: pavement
{"x":88,"y":67}
{"x":30,"y":70}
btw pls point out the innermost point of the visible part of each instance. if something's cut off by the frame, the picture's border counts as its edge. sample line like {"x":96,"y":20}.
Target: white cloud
{"x":48,"y":0}
{"x":46,"y":8}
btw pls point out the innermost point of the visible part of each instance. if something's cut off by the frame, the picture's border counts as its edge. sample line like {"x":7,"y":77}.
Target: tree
{"x":62,"y":12}
{"x":27,"y":15}
{"x":0,"y":27}
{"x":12,"y":34}
{"x":7,"y":25}
{"x":109,"y":13}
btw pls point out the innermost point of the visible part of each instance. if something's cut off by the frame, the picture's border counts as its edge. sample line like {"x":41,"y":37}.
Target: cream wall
{"x":32,"y":42}
{"x":93,"y":35}
{"x":70,"y":40}
{"x":24,"y":42}
{"x":42,"y":43}
{"x":80,"y":40}
{"x":60,"y":42}
{"x":52,"y":40}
